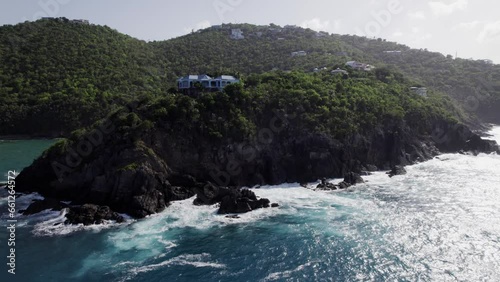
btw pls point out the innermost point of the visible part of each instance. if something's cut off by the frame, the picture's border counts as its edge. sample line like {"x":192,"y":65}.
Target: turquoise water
{"x":17,"y":154}
{"x":437,"y":223}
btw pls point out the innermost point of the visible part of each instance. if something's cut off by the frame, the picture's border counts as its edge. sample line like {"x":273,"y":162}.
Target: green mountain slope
{"x":57,"y":76}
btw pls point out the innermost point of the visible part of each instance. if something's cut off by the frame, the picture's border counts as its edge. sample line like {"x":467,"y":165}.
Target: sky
{"x":468,"y":28}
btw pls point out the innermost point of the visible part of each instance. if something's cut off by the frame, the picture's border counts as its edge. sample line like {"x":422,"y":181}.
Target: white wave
{"x":22,"y":200}
{"x":55,"y":226}
{"x":198,"y":260}
{"x":287,"y":273}
{"x":494,"y":134}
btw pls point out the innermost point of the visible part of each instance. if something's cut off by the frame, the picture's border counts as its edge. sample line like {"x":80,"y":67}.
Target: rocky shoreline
{"x":142,"y":176}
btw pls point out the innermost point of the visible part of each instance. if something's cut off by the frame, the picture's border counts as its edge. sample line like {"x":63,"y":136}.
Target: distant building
{"x":237,"y":34}
{"x":340,"y":71}
{"x":80,"y":21}
{"x":422,"y":91}
{"x":320,"y":69}
{"x":393,"y":52}
{"x":322,"y":34}
{"x":489,"y":62}
{"x":359,"y":66}
{"x":299,"y":54}
{"x":205,"y":82}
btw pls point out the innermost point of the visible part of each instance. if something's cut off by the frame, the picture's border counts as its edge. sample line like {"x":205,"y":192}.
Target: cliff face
{"x":141,"y":176}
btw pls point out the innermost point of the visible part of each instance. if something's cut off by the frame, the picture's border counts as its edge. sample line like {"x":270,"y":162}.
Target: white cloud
{"x":397,"y":34}
{"x":439,"y":8}
{"x":419,"y":15}
{"x":415,"y":29}
{"x":201,"y":25}
{"x":423,"y":38}
{"x":490,"y":32}
{"x":318,"y":25}
{"x":336,"y":25}
{"x":468,"y":26}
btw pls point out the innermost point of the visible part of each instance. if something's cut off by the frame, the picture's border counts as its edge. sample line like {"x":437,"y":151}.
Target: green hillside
{"x":57,"y":76}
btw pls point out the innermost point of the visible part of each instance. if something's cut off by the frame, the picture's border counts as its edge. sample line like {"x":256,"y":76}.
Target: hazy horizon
{"x":450,"y":27}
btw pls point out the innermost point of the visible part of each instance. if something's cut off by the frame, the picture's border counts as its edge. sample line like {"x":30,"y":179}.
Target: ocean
{"x":439,"y":222}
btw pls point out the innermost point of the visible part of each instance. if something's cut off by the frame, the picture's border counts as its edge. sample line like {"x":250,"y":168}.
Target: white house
{"x":299,"y":54}
{"x":318,"y":69}
{"x":205,"y":81}
{"x":237,"y":34}
{"x":339,"y":71}
{"x":393,"y":52}
{"x":422,"y":91}
{"x":80,"y":21}
{"x":359,"y":66}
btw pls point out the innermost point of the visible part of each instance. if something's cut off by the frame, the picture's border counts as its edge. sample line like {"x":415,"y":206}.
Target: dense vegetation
{"x":336,"y":106}
{"x":57,"y":76}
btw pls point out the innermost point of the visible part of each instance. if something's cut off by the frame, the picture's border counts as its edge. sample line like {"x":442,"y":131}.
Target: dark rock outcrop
{"x":454,"y":138}
{"x":350,"y":179}
{"x":92,"y":214}
{"x":231,"y":199}
{"x":353,"y":178}
{"x":326,"y":186}
{"x":397,"y":170}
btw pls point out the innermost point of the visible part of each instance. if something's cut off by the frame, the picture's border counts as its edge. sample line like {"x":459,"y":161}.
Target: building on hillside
{"x":237,"y":34}
{"x":322,"y":34}
{"x":318,"y":69}
{"x":299,"y":54}
{"x":340,"y":71}
{"x":80,"y":21}
{"x":394,"y":52}
{"x":489,"y":62}
{"x":197,"y":83}
{"x":359,"y":66}
{"x":422,"y":91}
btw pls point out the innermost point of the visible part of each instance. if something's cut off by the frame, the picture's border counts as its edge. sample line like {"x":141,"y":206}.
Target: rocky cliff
{"x":141,"y":174}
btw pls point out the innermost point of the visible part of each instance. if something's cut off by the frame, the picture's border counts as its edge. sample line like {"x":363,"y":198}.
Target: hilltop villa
{"x":359,"y":66}
{"x":206,"y":82}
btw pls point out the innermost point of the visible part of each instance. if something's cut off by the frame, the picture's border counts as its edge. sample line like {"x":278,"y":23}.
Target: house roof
{"x":196,"y":77}
{"x":226,"y":77}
